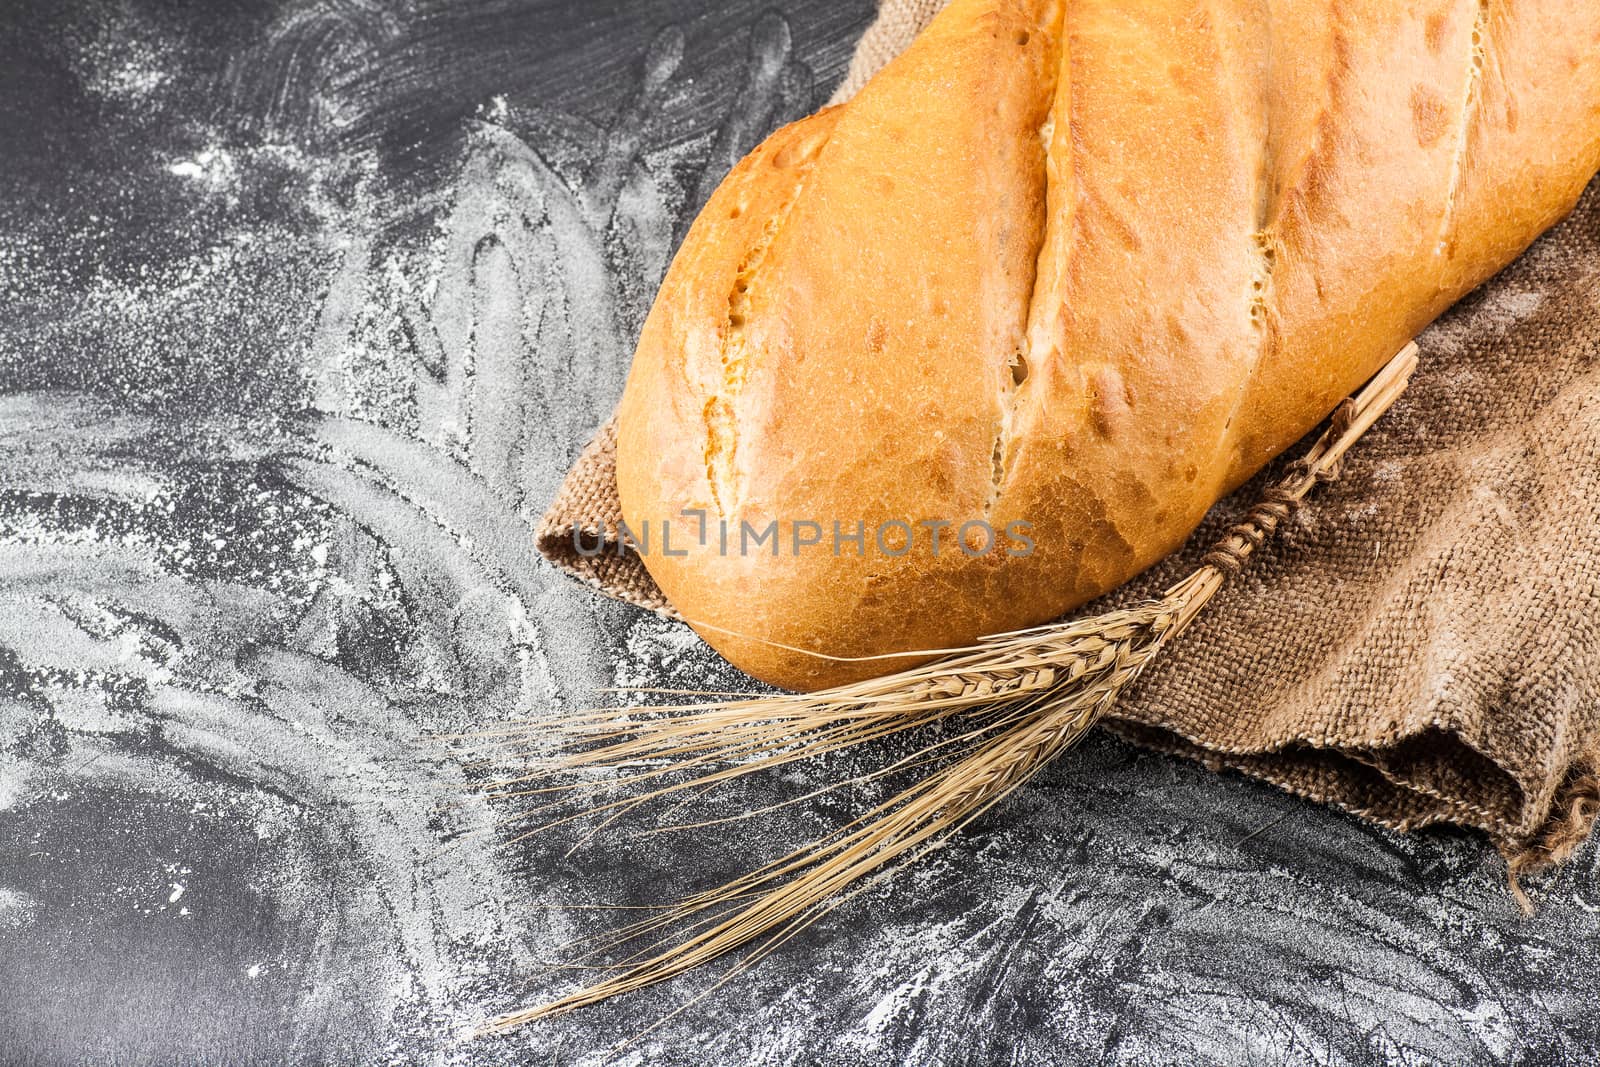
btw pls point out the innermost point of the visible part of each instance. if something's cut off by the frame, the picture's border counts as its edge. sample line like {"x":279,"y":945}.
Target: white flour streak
{"x":213,"y":168}
{"x":16,"y":909}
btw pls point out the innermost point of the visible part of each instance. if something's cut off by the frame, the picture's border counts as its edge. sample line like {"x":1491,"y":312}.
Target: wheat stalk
{"x":1019,"y":700}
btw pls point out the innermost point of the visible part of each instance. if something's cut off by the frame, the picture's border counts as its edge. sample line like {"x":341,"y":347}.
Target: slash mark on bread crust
{"x":722,"y":436}
{"x":1265,"y":237}
{"x":1264,"y":240}
{"x":1265,"y":247}
{"x":1285,"y":209}
{"x":1055,"y":30}
{"x":1471,"y":105}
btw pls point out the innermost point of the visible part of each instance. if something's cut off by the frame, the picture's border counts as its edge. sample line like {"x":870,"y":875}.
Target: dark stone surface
{"x":307,"y":306}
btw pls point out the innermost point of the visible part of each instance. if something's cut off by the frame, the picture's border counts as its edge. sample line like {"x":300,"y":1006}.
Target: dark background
{"x":304,"y":309}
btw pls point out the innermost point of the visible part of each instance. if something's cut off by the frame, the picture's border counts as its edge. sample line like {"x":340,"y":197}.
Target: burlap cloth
{"x":1423,"y":644}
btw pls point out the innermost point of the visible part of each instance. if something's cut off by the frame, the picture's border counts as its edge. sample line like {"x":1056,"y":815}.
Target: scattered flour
{"x":16,"y":909}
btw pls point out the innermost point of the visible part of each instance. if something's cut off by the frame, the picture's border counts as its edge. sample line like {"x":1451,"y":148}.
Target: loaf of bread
{"x":1062,"y":276}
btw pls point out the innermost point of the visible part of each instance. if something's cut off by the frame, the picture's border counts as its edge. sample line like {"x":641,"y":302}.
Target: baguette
{"x":1061,"y":276}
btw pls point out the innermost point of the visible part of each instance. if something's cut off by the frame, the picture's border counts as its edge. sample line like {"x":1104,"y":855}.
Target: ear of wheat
{"x":1009,"y":705}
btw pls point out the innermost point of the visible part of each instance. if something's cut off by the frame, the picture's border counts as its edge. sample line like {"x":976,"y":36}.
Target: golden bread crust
{"x":1086,"y":267}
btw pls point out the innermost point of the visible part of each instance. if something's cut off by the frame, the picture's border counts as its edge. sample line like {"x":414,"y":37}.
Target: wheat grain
{"x":1022,"y":699}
